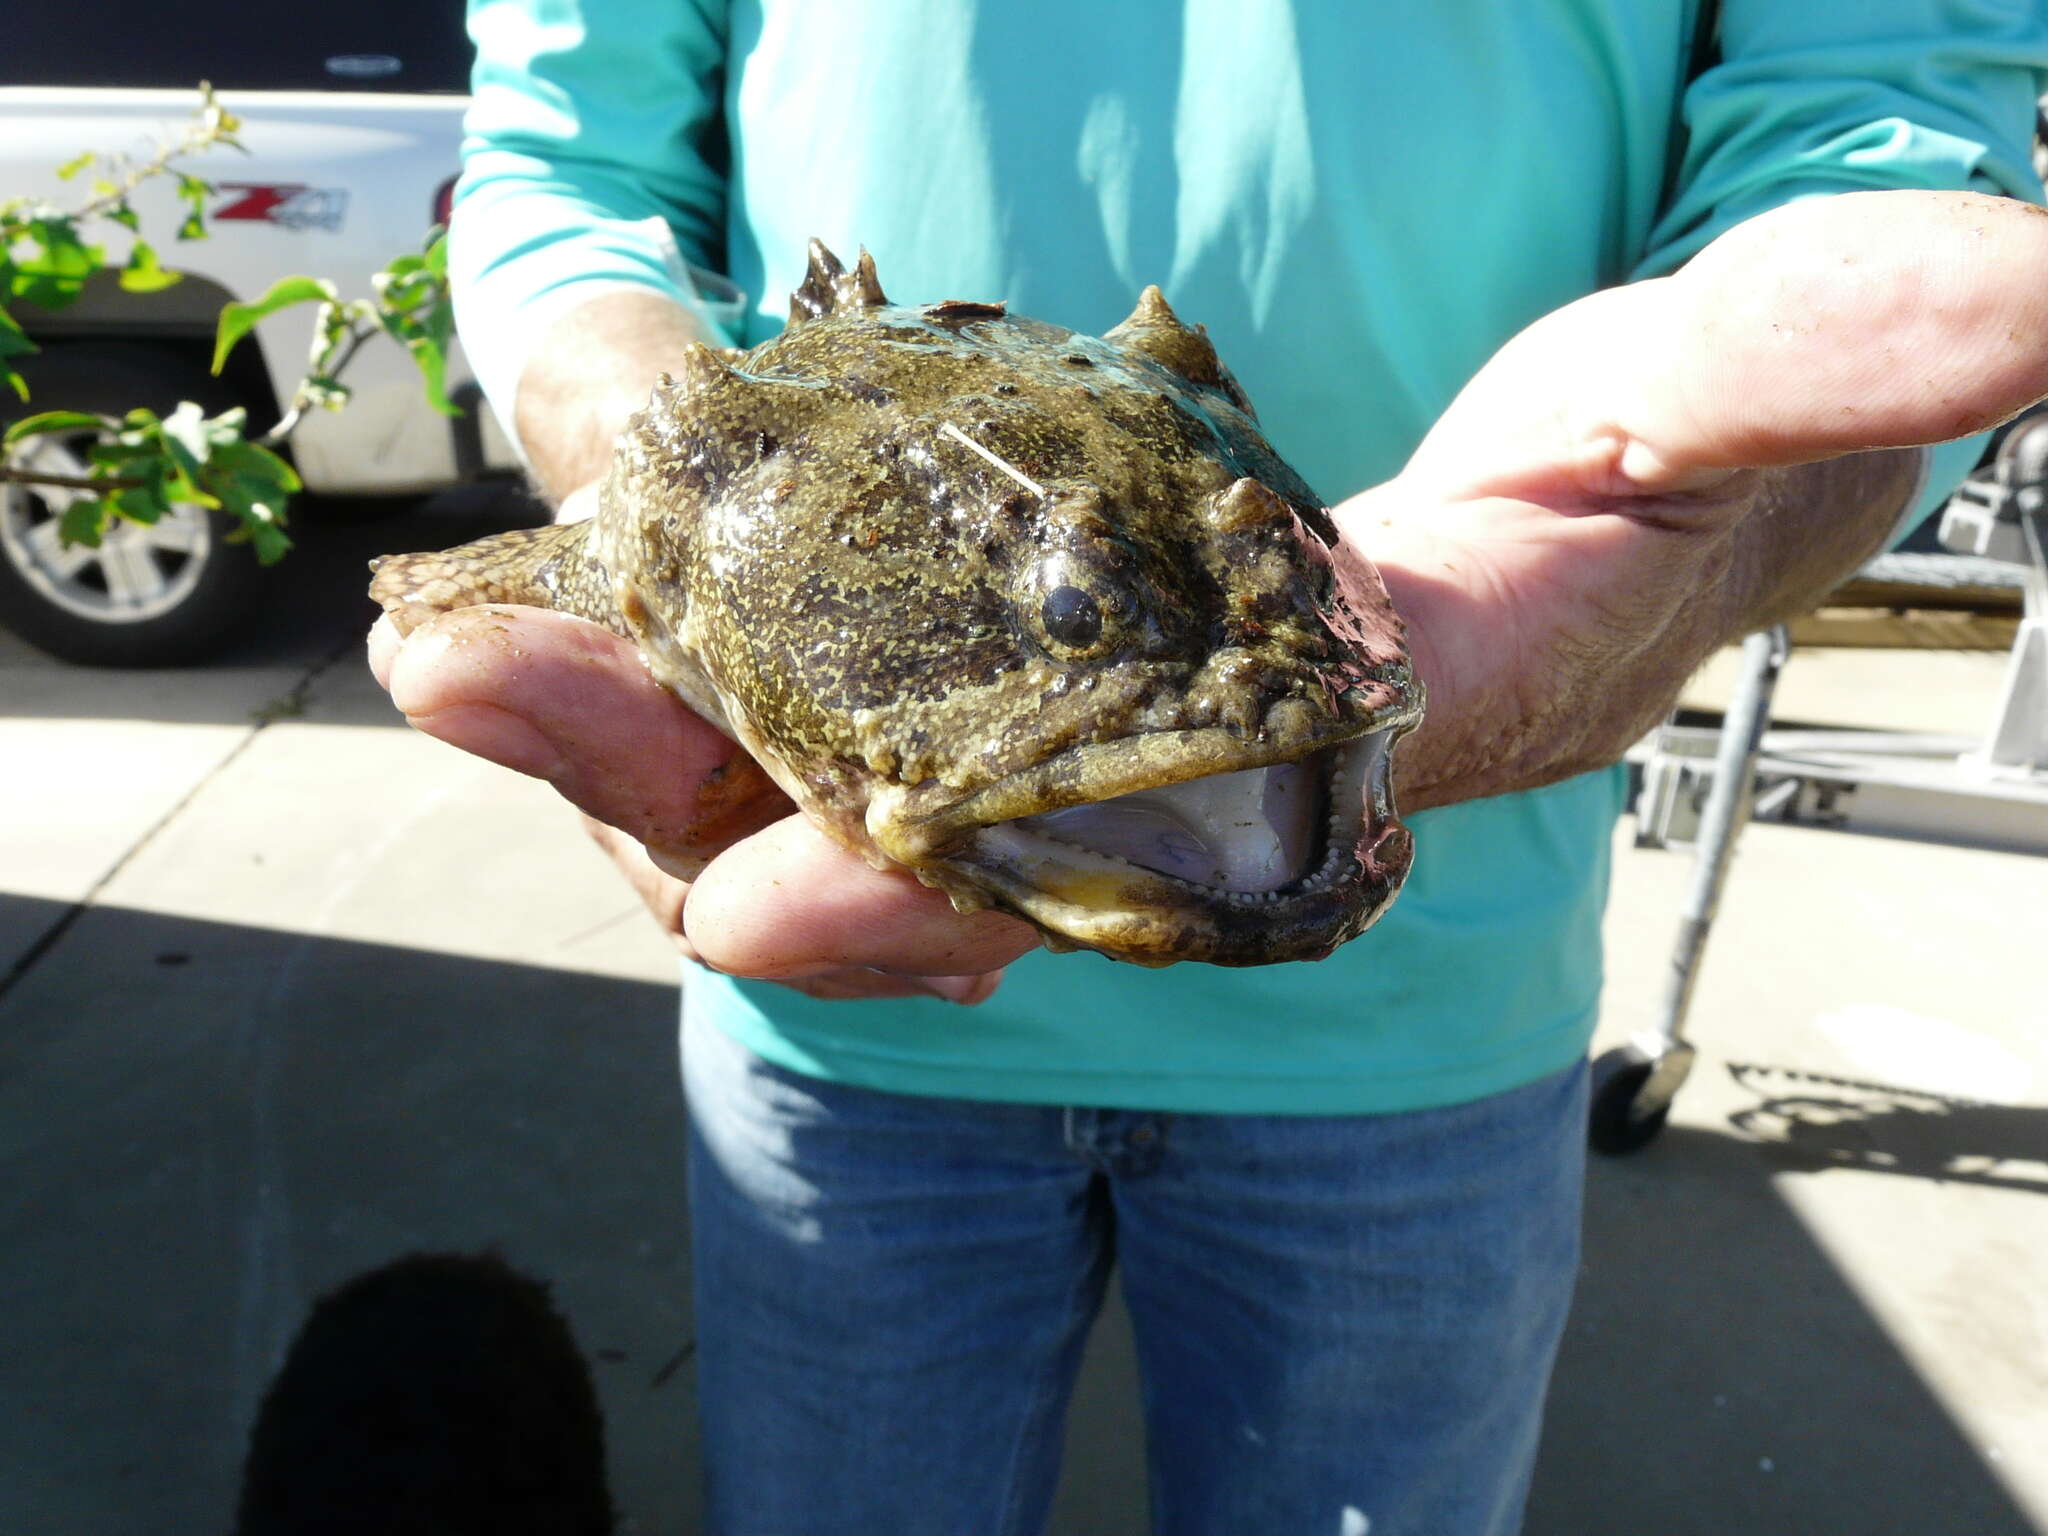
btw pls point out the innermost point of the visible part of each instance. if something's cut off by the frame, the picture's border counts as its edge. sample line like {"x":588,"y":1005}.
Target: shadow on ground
{"x":205,"y":1126}
{"x":1807,"y":1122}
{"x":1720,"y":1375}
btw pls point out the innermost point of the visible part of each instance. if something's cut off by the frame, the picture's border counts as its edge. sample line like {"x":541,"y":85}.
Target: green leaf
{"x":437,"y":253}
{"x":195,"y":443}
{"x":125,"y":216}
{"x":237,"y":320}
{"x":73,"y":166}
{"x":83,"y":522}
{"x":14,"y":340}
{"x":398,"y":325}
{"x":146,"y":503}
{"x":432,"y":360}
{"x":272,"y":543}
{"x":193,"y":193}
{"x":51,"y":421}
{"x":135,"y":450}
{"x":254,"y":486}
{"x":274,"y":468}
{"x":54,"y":276}
{"x":440,"y":322}
{"x":180,"y":486}
{"x":255,"y":467}
{"x":144,"y":274}
{"x":13,"y":343}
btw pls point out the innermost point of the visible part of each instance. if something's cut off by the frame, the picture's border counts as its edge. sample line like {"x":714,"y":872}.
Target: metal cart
{"x":1710,"y":783}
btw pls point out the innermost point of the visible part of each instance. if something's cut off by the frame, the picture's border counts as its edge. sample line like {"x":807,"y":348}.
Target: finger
{"x":564,"y":700}
{"x":865,"y":985}
{"x":789,"y":902}
{"x":661,"y":891}
{"x":383,"y":644}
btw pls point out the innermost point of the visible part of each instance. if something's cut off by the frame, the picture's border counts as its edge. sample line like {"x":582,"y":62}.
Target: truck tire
{"x":148,"y":597}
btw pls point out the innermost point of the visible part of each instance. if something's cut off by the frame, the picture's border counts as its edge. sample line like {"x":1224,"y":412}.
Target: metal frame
{"x":1998,"y":515}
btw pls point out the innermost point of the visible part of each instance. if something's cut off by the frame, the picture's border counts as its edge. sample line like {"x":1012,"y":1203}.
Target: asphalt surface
{"x":290,"y":992}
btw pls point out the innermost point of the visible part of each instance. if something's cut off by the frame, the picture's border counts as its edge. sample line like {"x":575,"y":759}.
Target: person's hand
{"x":1656,"y":470}
{"x":742,"y":882}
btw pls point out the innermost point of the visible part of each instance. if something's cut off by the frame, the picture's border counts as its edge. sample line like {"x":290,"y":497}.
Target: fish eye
{"x":1071,"y":617}
{"x":1073,"y":612}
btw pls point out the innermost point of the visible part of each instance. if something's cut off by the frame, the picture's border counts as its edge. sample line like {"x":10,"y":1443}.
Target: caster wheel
{"x":1619,"y":1120}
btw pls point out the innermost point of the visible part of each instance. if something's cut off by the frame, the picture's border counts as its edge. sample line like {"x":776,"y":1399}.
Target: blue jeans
{"x":1344,"y":1324}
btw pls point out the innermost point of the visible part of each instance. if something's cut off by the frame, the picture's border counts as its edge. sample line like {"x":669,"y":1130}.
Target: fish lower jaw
{"x":1018,"y":843}
{"x":1132,"y":909}
{"x":1083,"y":876}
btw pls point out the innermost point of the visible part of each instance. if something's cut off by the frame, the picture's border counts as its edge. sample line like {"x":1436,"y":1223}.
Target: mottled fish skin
{"x":942,"y":566}
{"x":543,"y":567}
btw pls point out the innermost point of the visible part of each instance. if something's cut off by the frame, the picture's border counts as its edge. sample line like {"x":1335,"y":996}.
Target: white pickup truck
{"x":352,"y":140}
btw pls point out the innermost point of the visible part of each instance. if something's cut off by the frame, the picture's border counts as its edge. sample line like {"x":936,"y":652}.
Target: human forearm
{"x":1812,"y":525}
{"x":592,"y":369}
{"x":593,"y":163}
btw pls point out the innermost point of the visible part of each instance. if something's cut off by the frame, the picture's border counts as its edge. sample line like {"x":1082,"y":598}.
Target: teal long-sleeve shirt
{"x":1361,"y":202}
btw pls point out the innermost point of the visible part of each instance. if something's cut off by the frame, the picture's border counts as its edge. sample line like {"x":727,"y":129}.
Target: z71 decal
{"x":291,"y":204}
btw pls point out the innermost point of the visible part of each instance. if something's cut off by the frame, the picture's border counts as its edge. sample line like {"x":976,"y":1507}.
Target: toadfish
{"x":1039,"y":617}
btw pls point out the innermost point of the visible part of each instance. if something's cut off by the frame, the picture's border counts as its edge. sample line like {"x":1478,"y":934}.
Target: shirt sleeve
{"x":1807,"y":99}
{"x":594,"y":158}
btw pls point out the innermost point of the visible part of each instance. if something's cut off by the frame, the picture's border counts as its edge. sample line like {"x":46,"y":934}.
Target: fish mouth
{"x":1178,"y":845}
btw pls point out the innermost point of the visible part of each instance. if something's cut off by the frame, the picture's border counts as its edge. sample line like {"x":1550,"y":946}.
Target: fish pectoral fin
{"x":542,"y":567}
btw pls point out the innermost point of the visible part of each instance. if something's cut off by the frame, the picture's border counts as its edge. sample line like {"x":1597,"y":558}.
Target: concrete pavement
{"x":294,"y":992}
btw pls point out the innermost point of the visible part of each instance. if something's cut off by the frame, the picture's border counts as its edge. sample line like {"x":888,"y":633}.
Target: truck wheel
{"x":148,"y":596}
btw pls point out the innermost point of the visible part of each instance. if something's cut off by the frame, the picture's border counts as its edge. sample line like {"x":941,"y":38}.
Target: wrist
{"x":592,"y":369}
{"x":1547,"y":641}
{"x":1812,"y":525}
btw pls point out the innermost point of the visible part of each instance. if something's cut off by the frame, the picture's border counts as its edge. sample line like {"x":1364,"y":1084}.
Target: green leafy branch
{"x":45,"y":259}
{"x":142,"y":463}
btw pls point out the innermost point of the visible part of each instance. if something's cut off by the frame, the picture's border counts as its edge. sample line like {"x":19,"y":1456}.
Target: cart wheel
{"x":1620,"y":1121}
